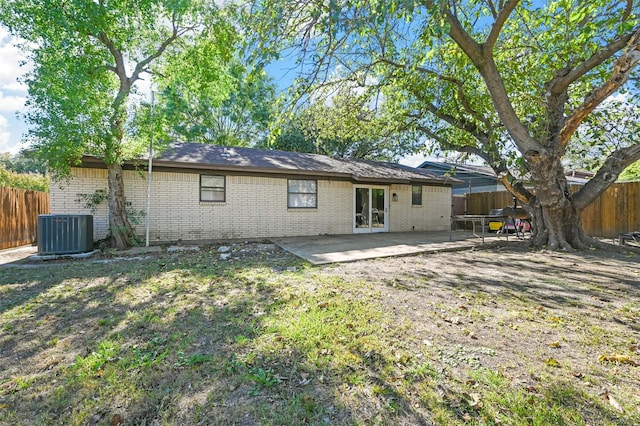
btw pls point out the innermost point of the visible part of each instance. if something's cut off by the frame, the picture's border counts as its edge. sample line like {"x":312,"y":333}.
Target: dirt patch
{"x":528,"y":315}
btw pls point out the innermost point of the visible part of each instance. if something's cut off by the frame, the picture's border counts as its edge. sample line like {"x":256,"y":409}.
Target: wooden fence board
{"x":616,"y":211}
{"x":19,"y":210}
{"x":484,"y":202}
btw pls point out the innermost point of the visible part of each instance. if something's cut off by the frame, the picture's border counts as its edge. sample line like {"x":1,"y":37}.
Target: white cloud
{"x":617,"y":97}
{"x":11,"y":131}
{"x":10,"y":69}
{"x":12,"y":93}
{"x":5,"y":138}
{"x":11,"y":103}
{"x":16,"y":86}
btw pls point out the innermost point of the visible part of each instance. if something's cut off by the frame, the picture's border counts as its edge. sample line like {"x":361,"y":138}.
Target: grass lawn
{"x":492,"y":337}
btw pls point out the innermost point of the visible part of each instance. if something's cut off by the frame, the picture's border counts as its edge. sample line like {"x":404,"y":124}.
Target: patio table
{"x":481,"y":219}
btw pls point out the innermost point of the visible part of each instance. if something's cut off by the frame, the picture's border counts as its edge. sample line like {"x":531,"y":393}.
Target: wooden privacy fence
{"x":616,"y":211}
{"x":484,"y":202}
{"x":19,"y":210}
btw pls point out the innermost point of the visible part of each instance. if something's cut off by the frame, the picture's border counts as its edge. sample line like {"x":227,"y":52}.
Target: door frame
{"x":370,"y":228}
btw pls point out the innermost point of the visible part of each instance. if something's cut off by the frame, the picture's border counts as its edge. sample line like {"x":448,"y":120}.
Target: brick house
{"x":207,"y":192}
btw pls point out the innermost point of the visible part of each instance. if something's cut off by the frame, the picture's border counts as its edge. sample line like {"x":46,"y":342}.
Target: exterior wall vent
{"x":65,"y":234}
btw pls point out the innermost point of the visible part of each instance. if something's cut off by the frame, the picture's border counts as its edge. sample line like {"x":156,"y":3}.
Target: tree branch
{"x":492,"y":8}
{"x":119,"y":69}
{"x":457,"y":82}
{"x":514,"y":185}
{"x":423,"y":70}
{"x":484,"y":62}
{"x":142,"y":65}
{"x":510,"y":182}
{"x":459,"y":123}
{"x":448,"y":146}
{"x":627,"y":10}
{"x":606,"y":175}
{"x":469,"y":46}
{"x":621,"y":70}
{"x":499,"y":23}
{"x":560,"y":84}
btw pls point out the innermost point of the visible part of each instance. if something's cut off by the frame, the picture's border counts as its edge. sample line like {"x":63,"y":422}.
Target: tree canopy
{"x":631,"y":173}
{"x":206,"y":96}
{"x":89,"y":59}
{"x":516,"y":83}
{"x":28,"y":181}
{"x":23,"y":162}
{"x":346,"y":124}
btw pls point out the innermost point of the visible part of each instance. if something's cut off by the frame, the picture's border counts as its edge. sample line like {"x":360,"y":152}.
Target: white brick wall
{"x":255,"y":207}
{"x":433,"y":215}
{"x":85,"y":181}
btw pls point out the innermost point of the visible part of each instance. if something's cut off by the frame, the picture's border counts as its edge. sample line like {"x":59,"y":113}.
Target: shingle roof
{"x":250,"y":160}
{"x":464,"y":170}
{"x":458,"y":168}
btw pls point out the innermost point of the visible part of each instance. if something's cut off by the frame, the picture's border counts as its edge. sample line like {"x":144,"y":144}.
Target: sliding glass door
{"x":371,"y":207}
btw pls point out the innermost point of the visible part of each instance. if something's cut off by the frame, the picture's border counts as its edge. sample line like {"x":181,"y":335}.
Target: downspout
{"x":149,"y":171}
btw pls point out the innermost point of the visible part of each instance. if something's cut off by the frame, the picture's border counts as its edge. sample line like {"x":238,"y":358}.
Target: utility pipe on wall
{"x":149,"y":170}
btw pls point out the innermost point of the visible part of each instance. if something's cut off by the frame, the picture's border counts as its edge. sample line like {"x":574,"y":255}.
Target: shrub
{"x":29,"y":181}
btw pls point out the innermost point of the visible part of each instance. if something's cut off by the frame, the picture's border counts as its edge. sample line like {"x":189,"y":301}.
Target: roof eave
{"x":90,"y":161}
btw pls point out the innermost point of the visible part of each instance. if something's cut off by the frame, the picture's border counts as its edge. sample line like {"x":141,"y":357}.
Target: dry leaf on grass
{"x":620,"y":359}
{"x":451,"y":320}
{"x":323,"y":305}
{"x":473,"y":400}
{"x":552,"y":362}
{"x":116,"y":420}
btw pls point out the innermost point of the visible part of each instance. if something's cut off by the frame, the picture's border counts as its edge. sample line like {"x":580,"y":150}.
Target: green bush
{"x":631,"y":173}
{"x":29,"y":181}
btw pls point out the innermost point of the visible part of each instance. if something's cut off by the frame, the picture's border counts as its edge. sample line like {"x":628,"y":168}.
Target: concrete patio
{"x":324,"y":249}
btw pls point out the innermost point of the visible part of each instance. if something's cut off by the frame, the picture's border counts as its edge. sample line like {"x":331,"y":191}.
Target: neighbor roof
{"x":482,"y":173}
{"x":455,"y":168}
{"x":194,"y":156}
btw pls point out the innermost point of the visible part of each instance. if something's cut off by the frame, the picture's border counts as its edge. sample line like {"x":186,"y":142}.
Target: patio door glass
{"x":371,"y":206}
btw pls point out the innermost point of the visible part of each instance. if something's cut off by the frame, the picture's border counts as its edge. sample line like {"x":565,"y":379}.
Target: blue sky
{"x":12,"y":94}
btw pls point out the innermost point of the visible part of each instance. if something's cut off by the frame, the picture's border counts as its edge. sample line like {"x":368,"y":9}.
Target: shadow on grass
{"x":548,"y":284}
{"x":531,"y":308}
{"x":192,"y":340}
{"x":166,"y":340}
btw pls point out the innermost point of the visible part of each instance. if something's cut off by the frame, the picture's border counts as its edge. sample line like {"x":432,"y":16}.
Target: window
{"x":302,"y":194}
{"x":212,"y":188}
{"x":416,"y":195}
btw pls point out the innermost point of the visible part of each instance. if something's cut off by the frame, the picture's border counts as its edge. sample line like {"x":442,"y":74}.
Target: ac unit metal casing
{"x":65,"y":234}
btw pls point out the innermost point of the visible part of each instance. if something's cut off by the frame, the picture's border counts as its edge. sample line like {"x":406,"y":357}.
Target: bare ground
{"x":535,"y":317}
{"x":528,"y":306}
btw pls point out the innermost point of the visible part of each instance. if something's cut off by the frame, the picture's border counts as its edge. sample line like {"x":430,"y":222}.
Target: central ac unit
{"x":65,"y":234}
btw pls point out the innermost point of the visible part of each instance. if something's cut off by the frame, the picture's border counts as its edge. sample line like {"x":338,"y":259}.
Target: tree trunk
{"x":556,"y":220}
{"x":122,"y":235}
{"x":557,"y":224}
